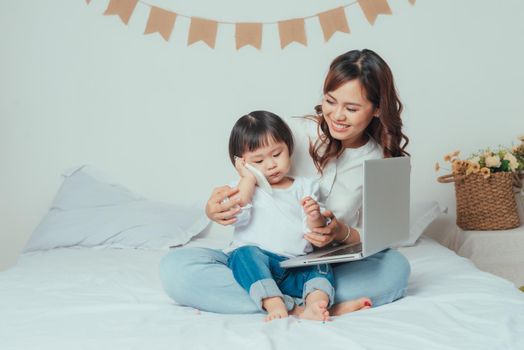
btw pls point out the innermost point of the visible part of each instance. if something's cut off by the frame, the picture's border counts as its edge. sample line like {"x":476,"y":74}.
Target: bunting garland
{"x":162,"y":21}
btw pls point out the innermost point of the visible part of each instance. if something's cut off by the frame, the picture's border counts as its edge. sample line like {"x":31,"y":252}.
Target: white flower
{"x":513,"y":163}
{"x":475,"y":160}
{"x":493,"y":161}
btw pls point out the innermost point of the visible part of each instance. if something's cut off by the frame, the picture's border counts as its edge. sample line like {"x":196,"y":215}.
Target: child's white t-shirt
{"x":276,"y":222}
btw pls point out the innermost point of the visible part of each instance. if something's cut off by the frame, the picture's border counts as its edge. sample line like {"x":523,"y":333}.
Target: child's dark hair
{"x":254,"y":130}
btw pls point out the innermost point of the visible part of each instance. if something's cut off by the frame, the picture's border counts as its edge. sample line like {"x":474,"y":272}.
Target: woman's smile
{"x":339,"y":126}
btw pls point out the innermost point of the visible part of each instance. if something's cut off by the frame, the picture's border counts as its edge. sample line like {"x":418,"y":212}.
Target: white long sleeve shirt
{"x":342,"y":182}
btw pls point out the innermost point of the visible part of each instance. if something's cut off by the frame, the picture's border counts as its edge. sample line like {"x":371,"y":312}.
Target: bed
{"x":109,"y":296}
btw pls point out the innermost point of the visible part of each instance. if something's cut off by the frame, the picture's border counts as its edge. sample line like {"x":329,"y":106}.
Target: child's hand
{"x":240,"y":165}
{"x":311,"y":208}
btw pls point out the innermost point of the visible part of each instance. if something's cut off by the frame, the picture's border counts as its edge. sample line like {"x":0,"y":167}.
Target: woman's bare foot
{"x":350,"y":306}
{"x":315,"y":310}
{"x":275,"y":308}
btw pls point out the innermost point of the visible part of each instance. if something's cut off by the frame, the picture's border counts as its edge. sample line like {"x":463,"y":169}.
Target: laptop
{"x":385,"y":214}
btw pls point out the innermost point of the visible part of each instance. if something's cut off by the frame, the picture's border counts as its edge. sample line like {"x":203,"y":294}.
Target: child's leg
{"x":315,"y":285}
{"x":316,"y":306}
{"x":318,"y":293}
{"x":275,"y":308}
{"x":252,"y":269}
{"x":320,"y":277}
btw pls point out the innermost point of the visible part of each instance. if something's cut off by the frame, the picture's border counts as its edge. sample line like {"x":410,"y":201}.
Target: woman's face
{"x":348,"y":112}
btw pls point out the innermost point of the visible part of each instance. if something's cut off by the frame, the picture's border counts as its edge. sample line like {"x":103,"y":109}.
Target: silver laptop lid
{"x":385,"y":206}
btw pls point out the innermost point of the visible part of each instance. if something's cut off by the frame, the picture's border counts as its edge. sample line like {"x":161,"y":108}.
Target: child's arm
{"x":312,"y":211}
{"x":247,"y":183}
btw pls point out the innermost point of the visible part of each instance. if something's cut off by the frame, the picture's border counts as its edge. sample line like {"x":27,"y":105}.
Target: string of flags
{"x":162,"y":21}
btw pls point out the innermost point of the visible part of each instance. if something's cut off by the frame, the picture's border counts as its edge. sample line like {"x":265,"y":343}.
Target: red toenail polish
{"x":367,"y":303}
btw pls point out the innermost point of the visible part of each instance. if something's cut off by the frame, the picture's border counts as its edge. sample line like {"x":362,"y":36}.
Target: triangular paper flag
{"x":373,"y":8}
{"x":333,"y":21}
{"x":292,"y":30}
{"x":160,"y":21}
{"x":123,"y":8}
{"x":202,"y":29}
{"x":248,"y":34}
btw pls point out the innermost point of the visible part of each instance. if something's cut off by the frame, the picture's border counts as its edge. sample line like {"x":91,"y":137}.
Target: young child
{"x":270,"y":227}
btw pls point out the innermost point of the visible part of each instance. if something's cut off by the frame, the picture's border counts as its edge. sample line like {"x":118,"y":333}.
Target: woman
{"x":358,"y":119}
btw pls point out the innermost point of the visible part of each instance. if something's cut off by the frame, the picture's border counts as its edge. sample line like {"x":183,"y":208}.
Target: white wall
{"x":79,"y":87}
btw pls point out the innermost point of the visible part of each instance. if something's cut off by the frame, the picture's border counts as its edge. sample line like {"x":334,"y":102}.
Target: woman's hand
{"x":222,"y":206}
{"x":322,"y":236}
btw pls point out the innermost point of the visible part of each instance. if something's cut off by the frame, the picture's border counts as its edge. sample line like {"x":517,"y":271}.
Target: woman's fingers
{"x":227,"y":221}
{"x":322,"y":236}
{"x":218,"y":207}
{"x":228,"y":204}
{"x":318,"y":240}
{"x":223,"y":192}
{"x":227,"y":214}
{"x":329,"y":214}
{"x":323,"y":231}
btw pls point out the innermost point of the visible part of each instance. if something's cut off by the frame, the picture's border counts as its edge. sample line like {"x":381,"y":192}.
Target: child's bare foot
{"x":316,"y":310}
{"x":297,"y":310}
{"x":275,"y":308}
{"x":350,"y":306}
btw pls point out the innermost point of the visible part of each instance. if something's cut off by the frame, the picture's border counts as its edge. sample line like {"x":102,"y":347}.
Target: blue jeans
{"x":259,"y":273}
{"x":200,"y":278}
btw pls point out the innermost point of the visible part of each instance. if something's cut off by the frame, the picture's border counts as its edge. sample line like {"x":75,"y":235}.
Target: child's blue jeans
{"x":259,"y":273}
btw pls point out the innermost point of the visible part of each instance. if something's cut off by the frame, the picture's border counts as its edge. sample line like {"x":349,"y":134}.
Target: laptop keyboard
{"x":352,"y":249}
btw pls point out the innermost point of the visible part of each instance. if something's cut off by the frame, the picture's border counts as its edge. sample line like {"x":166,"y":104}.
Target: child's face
{"x":272,"y":160}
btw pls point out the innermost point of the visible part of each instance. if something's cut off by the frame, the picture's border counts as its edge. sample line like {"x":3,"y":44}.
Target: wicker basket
{"x":485,"y":204}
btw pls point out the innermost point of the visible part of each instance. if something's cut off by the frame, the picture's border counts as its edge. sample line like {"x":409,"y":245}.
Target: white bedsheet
{"x":89,"y":298}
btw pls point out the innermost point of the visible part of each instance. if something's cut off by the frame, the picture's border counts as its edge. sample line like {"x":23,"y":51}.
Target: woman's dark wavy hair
{"x":377,"y":80}
{"x":254,"y":130}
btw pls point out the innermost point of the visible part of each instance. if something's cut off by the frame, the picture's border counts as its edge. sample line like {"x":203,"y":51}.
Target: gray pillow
{"x":89,"y":211}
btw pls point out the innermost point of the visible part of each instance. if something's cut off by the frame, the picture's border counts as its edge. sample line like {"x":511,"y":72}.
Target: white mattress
{"x":112,"y":299}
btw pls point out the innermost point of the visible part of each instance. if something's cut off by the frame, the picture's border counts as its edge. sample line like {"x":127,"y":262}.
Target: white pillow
{"x":90,"y":210}
{"x":421,"y":214}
